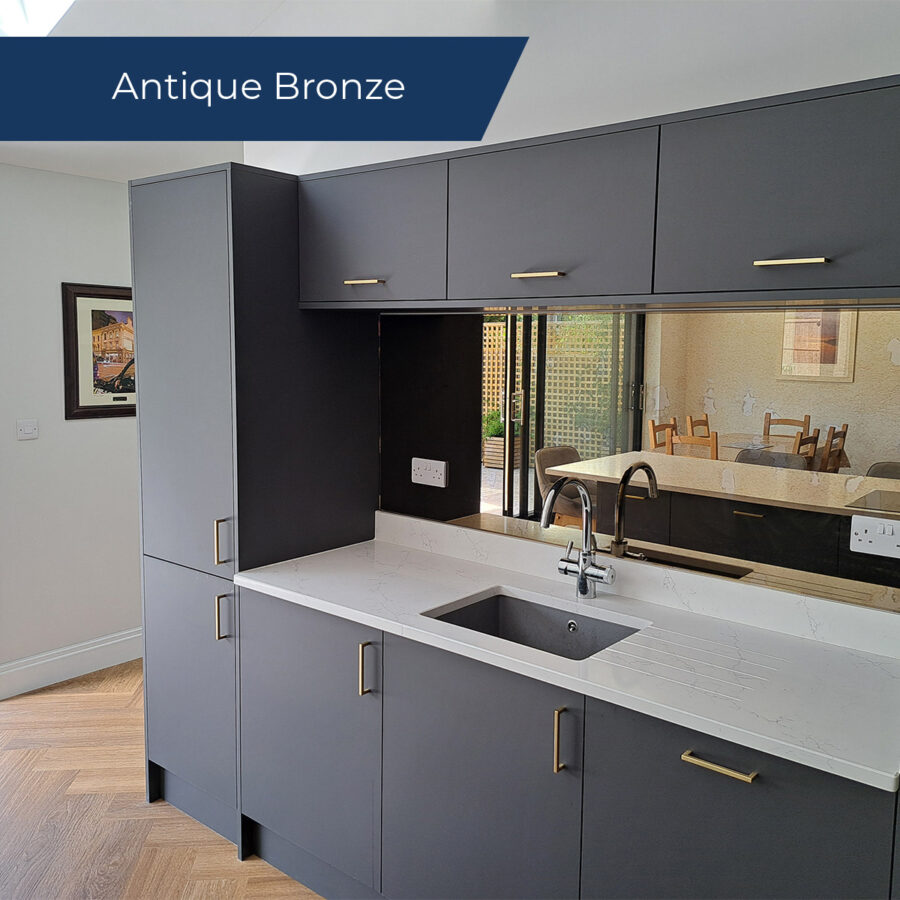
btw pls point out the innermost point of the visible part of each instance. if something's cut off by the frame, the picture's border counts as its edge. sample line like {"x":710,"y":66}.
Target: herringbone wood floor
{"x":73,"y":819}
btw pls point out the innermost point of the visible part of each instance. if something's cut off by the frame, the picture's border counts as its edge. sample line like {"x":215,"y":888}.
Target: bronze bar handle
{"x":749,"y":515}
{"x":688,"y":757}
{"x":219,"y":635}
{"x":557,"y":765}
{"x":536,"y":274}
{"x":363,"y":690}
{"x":801,"y":261}
{"x":217,"y":556}
{"x":352,"y":281}
{"x":635,"y":497}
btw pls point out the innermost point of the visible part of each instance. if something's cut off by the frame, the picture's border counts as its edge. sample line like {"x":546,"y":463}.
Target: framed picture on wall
{"x":818,"y":345}
{"x":98,"y":351}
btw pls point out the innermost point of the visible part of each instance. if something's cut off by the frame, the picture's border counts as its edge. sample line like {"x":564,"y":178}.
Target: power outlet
{"x":429,"y":471}
{"x":880,"y":537}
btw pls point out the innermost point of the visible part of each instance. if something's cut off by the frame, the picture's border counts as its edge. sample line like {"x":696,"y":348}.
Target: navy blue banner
{"x":126,"y":89}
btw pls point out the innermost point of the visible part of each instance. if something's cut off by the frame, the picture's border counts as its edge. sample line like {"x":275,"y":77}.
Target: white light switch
{"x":26,"y":429}
{"x":429,"y":471}
{"x":881,"y":537}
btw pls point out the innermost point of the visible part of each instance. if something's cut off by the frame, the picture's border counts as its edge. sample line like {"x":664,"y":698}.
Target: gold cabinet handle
{"x":219,"y":635}
{"x":217,"y":555}
{"x":557,"y":765}
{"x":800,"y":261}
{"x":364,"y":281}
{"x":635,"y":497}
{"x":688,"y":757}
{"x":740,"y":512}
{"x":536,"y":274}
{"x":363,"y":690}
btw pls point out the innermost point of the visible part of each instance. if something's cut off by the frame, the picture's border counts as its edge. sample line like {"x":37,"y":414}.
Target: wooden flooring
{"x":73,"y":819}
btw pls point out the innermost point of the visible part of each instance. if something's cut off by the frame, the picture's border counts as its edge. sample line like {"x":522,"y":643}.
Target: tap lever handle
{"x":569,"y":547}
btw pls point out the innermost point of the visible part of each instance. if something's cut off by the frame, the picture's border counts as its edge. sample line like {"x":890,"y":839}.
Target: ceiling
{"x":588,"y":62}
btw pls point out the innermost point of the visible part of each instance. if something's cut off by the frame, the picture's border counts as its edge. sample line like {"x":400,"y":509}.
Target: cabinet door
{"x":776,"y":535}
{"x":865,"y":566}
{"x":387,"y":226}
{"x":190,"y":676}
{"x":645,"y":519}
{"x":655,"y":826}
{"x":582,"y":207}
{"x":310,"y":744}
{"x":800,"y":180}
{"x":180,"y":241}
{"x":472,"y":806}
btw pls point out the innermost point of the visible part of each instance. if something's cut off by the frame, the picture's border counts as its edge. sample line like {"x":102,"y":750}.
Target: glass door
{"x":573,"y":379}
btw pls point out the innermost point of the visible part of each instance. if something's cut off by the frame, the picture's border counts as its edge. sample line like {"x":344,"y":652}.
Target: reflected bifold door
{"x":556,"y":379}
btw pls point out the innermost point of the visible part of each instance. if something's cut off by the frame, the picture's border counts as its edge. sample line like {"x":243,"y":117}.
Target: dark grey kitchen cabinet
{"x":472,"y":806}
{"x":310,"y":740}
{"x":237,"y":391}
{"x":657,"y":826}
{"x":645,"y":519}
{"x":807,"y":180}
{"x":384,"y":232}
{"x":865,"y":566}
{"x":190,"y":681}
{"x":180,"y":236}
{"x":581,"y":207}
{"x":776,"y":535}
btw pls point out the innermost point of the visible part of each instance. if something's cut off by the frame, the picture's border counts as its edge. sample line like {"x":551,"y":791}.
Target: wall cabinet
{"x":383,"y":231}
{"x":581,"y":207}
{"x":191,"y":683}
{"x":310,"y":741}
{"x":472,"y":806}
{"x":797,"y":180}
{"x":656,"y":826}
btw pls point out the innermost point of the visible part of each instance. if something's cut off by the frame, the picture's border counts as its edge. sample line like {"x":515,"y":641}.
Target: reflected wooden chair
{"x":693,"y":423}
{"x":833,"y":449}
{"x":768,"y":422}
{"x":806,"y":446}
{"x":712,"y":442}
{"x":770,"y":458}
{"x":659,"y":434}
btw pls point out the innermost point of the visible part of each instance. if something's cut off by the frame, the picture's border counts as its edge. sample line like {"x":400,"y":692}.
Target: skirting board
{"x":42,"y":669}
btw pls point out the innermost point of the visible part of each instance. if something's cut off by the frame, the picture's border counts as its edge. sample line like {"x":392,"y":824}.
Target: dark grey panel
{"x":199,"y":805}
{"x":801,"y":180}
{"x":645,"y":519}
{"x":310,"y":745}
{"x":306,"y":393}
{"x":389,"y":224}
{"x":655,"y":826}
{"x":864,"y":566}
{"x":472,"y":807}
{"x":431,"y":408}
{"x":190,"y":677}
{"x":310,"y":871}
{"x":584,"y":207}
{"x":183,"y":328}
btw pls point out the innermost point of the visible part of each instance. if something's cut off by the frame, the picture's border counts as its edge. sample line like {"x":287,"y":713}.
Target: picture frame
{"x":818,"y":346}
{"x":98,"y":351}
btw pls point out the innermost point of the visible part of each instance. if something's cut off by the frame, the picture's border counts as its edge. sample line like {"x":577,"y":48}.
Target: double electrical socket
{"x":880,"y":537}
{"x":429,"y":471}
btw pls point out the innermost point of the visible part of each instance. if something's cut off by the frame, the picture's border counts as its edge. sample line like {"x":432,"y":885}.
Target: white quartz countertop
{"x":826,"y":706}
{"x":825,"y":492}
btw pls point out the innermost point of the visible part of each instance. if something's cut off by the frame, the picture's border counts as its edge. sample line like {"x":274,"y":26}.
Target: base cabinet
{"x":310,"y":742}
{"x":190,"y":678}
{"x":472,"y":806}
{"x":657,"y":826}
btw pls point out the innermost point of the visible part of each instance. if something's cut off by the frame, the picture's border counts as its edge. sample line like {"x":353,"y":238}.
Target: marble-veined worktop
{"x":795,"y":488}
{"x":812,"y":700}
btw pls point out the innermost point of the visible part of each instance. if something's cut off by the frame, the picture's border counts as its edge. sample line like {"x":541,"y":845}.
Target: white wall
{"x":69,"y":549}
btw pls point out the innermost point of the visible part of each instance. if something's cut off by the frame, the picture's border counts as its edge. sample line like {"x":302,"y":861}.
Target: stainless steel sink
{"x":533,"y":624}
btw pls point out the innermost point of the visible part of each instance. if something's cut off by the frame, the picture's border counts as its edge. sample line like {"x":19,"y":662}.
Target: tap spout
{"x":619,"y":545}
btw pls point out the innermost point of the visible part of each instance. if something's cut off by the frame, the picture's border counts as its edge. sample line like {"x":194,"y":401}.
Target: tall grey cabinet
{"x":242,"y":403}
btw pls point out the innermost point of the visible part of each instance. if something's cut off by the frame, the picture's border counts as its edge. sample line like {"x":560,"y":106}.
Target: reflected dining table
{"x":732,"y":443}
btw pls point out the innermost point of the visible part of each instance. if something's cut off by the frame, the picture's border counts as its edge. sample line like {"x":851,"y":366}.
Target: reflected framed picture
{"x":818,"y":345}
{"x":98,"y":351}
